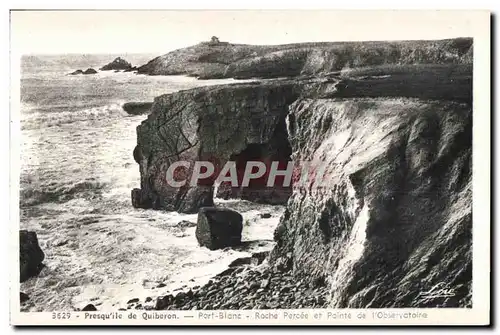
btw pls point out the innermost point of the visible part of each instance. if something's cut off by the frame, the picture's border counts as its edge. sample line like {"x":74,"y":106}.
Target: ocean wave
{"x":42,"y":118}
{"x":31,"y":195}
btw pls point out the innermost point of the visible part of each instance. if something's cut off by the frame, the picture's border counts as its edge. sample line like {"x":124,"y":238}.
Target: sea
{"x":76,"y":174}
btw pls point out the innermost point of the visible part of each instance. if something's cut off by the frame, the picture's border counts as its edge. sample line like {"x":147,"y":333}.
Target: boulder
{"x":31,"y":255}
{"x":218,"y":228}
{"x":117,"y":64}
{"x":89,"y":71}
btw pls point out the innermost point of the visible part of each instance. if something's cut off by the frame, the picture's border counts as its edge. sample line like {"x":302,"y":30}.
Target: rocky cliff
{"x":208,"y":60}
{"x":392,"y":217}
{"x":237,"y":122}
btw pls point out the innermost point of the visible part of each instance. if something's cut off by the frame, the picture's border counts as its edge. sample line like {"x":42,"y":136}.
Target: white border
{"x":481,"y":171}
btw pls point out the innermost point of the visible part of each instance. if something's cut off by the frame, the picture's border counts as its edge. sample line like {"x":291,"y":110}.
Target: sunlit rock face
{"x":393,"y":216}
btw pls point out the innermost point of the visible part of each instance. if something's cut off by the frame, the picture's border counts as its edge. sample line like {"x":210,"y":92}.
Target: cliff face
{"x":233,"y":122}
{"x":392,"y":218}
{"x":226,"y":60}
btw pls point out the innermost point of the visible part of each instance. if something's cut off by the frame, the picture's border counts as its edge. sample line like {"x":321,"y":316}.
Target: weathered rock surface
{"x":393,"y":216}
{"x":117,"y":64}
{"x":245,"y":122}
{"x":31,"y":255}
{"x":218,"y":228}
{"x":209,"y":60}
{"x":219,"y":123}
{"x":137,"y":108}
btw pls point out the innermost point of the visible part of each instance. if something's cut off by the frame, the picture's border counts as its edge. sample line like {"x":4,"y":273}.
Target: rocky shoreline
{"x":249,"y":288}
{"x":241,"y":287}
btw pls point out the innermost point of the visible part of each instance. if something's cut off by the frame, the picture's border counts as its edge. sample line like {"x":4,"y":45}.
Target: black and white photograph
{"x":246,"y":170}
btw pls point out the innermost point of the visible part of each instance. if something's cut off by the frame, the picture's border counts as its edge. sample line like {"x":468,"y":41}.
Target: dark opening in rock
{"x":276,"y":150}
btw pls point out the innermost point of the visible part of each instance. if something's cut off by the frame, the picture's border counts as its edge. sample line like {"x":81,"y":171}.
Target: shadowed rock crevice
{"x":276,"y":150}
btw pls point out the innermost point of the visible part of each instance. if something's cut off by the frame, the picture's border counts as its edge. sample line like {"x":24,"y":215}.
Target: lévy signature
{"x":438,"y":291}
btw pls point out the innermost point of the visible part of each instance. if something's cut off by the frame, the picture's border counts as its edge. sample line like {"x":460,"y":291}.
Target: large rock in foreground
{"x":31,"y":255}
{"x":218,"y":228}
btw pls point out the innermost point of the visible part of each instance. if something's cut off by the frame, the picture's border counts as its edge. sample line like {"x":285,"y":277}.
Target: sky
{"x":52,"y":32}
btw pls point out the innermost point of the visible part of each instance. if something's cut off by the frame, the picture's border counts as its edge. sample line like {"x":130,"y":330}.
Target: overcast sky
{"x":162,"y":31}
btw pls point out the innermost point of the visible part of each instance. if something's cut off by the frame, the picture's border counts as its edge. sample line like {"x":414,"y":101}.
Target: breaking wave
{"x":35,"y":195}
{"x":60,"y":115}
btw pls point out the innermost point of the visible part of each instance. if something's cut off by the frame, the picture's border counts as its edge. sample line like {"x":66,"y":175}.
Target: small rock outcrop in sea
{"x":218,"y":228}
{"x":31,"y":255}
{"x":117,"y":64}
{"x":76,"y":72}
{"x":137,"y":108}
{"x":88,"y":71}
